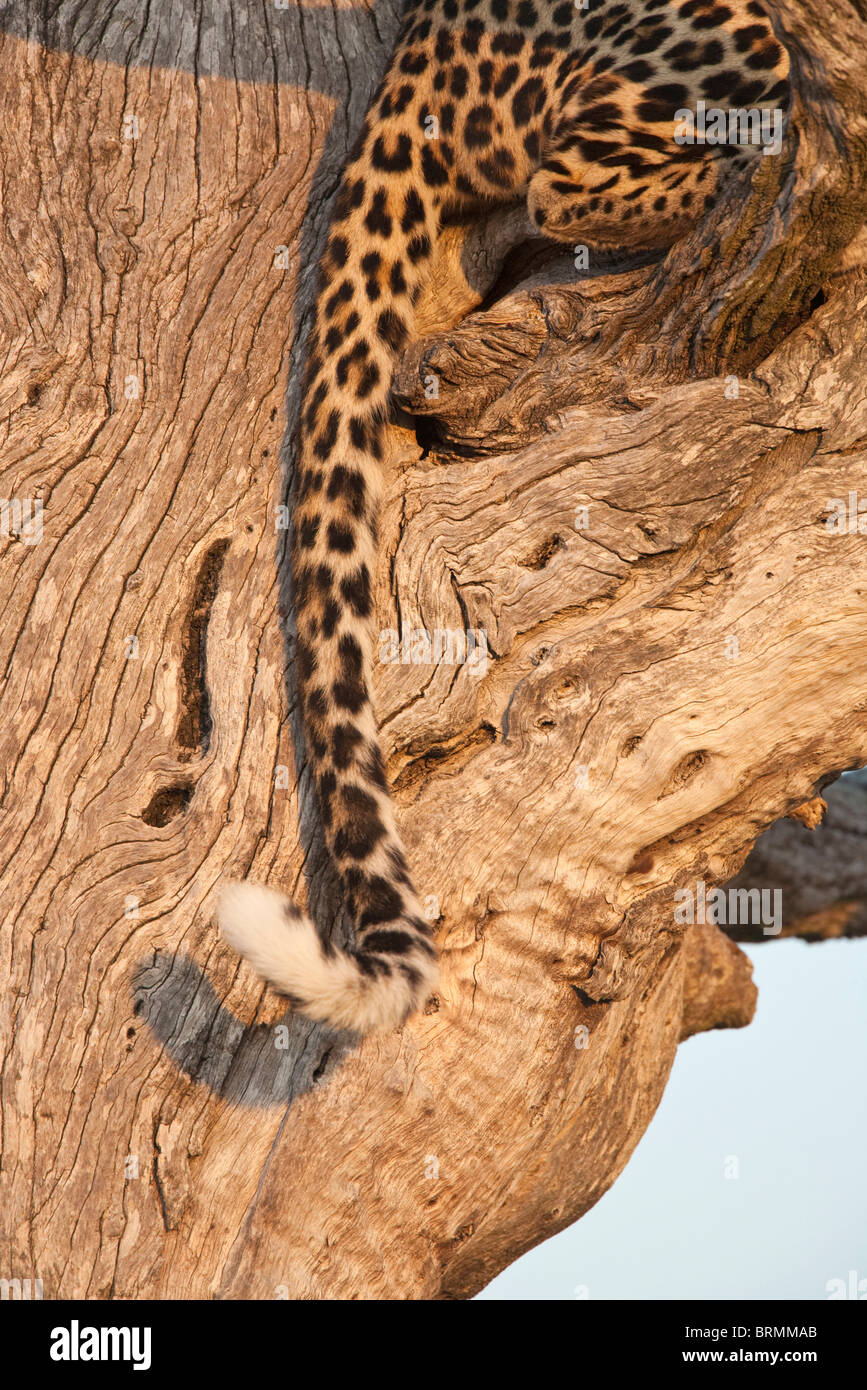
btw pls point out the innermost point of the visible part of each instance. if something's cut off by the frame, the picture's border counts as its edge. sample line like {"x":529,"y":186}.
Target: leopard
{"x":570,"y":108}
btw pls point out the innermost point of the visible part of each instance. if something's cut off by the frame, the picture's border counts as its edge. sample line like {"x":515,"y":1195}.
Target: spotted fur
{"x":572,"y":110}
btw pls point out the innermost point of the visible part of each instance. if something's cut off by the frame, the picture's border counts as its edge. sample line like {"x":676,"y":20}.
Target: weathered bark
{"x":158,"y":1138}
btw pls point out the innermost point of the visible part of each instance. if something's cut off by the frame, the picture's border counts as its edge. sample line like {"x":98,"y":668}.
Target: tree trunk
{"x":821,"y":874}
{"x":628,"y":484}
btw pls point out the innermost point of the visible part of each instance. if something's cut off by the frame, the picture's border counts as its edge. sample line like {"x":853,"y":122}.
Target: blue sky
{"x":785,"y":1098}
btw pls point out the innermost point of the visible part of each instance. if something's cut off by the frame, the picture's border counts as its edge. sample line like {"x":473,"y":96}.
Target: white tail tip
{"x":282,"y":945}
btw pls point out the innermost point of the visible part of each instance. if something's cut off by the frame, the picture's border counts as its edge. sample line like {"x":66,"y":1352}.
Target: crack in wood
{"x":193,"y":733}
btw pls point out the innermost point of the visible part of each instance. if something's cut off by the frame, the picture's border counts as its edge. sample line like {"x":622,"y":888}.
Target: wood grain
{"x":167,"y":1129}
